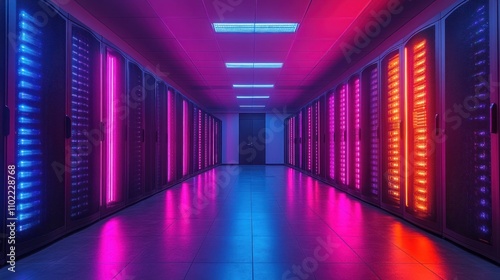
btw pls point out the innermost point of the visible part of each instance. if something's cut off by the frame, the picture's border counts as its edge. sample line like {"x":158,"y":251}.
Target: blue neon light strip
{"x":28,"y":144}
{"x":253,"y":65}
{"x":80,"y":115}
{"x":253,"y":86}
{"x":255,"y":27}
{"x":253,"y":97}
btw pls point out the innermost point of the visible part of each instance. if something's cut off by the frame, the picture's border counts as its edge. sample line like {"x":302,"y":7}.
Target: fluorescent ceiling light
{"x":256,"y":27}
{"x":253,"y":86}
{"x":252,"y":106}
{"x":252,"y":97}
{"x":253,"y":65}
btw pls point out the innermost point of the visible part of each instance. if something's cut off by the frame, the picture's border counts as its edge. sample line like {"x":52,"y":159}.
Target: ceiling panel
{"x":177,"y":37}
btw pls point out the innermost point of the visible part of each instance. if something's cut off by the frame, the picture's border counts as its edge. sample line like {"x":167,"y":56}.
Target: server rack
{"x":354,"y":134}
{"x":186,"y":139}
{"x":136,"y":132}
{"x":84,"y":121}
{"x":317,"y":132}
{"x":471,"y":150}
{"x":115,"y":136}
{"x":162,"y":138}
{"x":369,"y":134}
{"x":37,"y":97}
{"x":171,"y":135}
{"x":421,"y":192}
{"x":178,"y":137}
{"x":332,"y":136}
{"x":151,"y":133}
{"x":392,"y":137}
{"x":342,"y":131}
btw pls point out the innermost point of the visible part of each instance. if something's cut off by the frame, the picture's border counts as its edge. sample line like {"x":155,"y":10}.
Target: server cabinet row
{"x":86,"y":130}
{"x":416,"y":131}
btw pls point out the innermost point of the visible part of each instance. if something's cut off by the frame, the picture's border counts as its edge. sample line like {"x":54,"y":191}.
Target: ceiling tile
{"x":181,"y":8}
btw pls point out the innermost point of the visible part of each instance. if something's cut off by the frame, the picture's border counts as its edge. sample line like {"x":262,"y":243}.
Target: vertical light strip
{"x":331,"y":104}
{"x":394,"y":129}
{"x":301,"y":136}
{"x":309,"y":138}
{"x":185,"y":142}
{"x":421,"y":180}
{"x":200,"y":158}
{"x":343,"y":131}
{"x":112,"y":141}
{"x":357,"y":125}
{"x":406,"y":135}
{"x":318,"y":136}
{"x":171,"y":136}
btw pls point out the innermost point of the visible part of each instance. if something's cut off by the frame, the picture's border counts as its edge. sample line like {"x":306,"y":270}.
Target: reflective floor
{"x":248,"y":222}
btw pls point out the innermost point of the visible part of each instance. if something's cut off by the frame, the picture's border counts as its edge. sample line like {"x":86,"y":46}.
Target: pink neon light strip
{"x":113,"y":129}
{"x":185,"y":135}
{"x":170,"y":152}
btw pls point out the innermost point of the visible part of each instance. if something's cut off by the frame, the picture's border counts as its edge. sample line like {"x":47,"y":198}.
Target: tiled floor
{"x":252,"y":223}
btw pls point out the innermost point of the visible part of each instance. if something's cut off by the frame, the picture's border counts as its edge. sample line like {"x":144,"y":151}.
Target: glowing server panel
{"x":35,"y":144}
{"x":370,"y":134}
{"x":84,"y":117}
{"x":471,"y":176}
{"x":392,"y":138}
{"x":420,"y":126}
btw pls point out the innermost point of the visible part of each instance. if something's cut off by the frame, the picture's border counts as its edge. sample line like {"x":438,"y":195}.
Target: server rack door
{"x":198,"y":140}
{"x":178,"y":137}
{"x":332,"y":147}
{"x":191,"y":137}
{"x":343,"y":149}
{"x":151,"y":140}
{"x":136,"y":133}
{"x":317,"y":138}
{"x":36,"y":143}
{"x":185,"y":138}
{"x":3,"y":124}
{"x":370,"y":134}
{"x":420,"y":129}
{"x":471,"y":164}
{"x":171,"y":129}
{"x":115,"y":122}
{"x":354,"y":134}
{"x":84,"y":178}
{"x":309,"y":138}
{"x":392,"y":140}
{"x":162,"y":138}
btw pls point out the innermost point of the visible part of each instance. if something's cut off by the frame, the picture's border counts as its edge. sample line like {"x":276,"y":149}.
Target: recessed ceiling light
{"x":256,"y":27}
{"x":253,"y":86}
{"x":253,"y":65}
{"x":252,"y":106}
{"x":252,"y":97}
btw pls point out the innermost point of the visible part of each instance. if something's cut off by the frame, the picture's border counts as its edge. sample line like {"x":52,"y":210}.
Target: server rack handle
{"x":68,"y":127}
{"x":436,"y":119}
{"x":6,"y":121}
{"x":493,"y":118}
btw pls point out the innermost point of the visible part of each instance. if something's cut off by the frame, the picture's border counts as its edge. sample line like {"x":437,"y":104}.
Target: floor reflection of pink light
{"x":111,"y":245}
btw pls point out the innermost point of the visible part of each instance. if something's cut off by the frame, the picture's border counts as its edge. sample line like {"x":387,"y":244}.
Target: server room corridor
{"x":252,"y":222}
